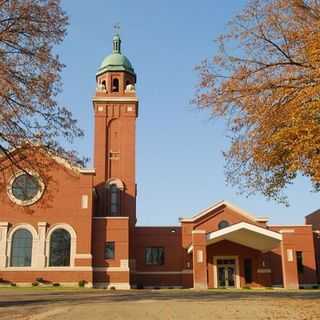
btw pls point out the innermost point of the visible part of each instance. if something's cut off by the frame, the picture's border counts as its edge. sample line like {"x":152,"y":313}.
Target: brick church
{"x":82,"y":228}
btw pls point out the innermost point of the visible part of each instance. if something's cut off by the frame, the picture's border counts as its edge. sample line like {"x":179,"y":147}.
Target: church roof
{"x":116,"y":61}
{"x":227,"y":204}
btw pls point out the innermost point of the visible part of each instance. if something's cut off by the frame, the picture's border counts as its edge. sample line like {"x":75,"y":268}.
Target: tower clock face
{"x":25,"y":188}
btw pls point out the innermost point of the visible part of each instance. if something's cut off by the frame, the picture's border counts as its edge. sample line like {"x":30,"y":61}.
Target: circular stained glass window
{"x":25,"y":188}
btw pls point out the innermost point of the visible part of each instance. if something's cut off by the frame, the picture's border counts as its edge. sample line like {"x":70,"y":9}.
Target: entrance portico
{"x":235,"y":256}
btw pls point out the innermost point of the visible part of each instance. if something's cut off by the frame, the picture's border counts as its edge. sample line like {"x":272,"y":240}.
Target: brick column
{"x":199,"y":259}
{"x":3,"y":243}
{"x":289,"y":264}
{"x":41,"y":252}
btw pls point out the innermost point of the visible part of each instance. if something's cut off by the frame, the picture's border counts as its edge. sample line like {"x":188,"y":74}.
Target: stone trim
{"x":286,"y":230}
{"x":41,"y":253}
{"x":114,"y":99}
{"x":117,"y":182}
{"x":35,"y":243}
{"x":111,"y":269}
{"x":83,"y":256}
{"x":87,"y":170}
{"x":73,"y":244}
{"x":24,"y":269}
{"x":3,"y":243}
{"x":263,"y":270}
{"x":37,"y":197}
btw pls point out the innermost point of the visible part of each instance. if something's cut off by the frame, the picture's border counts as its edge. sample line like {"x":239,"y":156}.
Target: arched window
{"x":104,"y":85}
{"x":114,"y":188}
{"x":223,"y":224}
{"x":115,"y":85}
{"x":114,"y":200}
{"x":21,"y":249}
{"x":60,"y":244}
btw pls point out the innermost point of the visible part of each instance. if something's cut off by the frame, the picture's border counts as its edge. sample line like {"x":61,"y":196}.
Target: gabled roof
{"x":220,"y":204}
{"x":60,"y":160}
{"x":245,"y":234}
{"x":67,"y":164}
{"x":314,"y":213}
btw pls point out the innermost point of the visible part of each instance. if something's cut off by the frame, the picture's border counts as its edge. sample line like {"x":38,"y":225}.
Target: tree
{"x":265,"y":81}
{"x":30,"y":116}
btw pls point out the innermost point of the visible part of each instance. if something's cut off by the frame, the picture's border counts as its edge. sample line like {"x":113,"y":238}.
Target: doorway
{"x":226,"y":272}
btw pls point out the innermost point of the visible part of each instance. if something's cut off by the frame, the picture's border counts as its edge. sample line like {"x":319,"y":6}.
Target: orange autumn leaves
{"x":30,"y":81}
{"x":265,"y":81}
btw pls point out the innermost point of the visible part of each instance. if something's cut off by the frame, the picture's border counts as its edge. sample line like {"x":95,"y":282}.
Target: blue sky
{"x":180,"y":168}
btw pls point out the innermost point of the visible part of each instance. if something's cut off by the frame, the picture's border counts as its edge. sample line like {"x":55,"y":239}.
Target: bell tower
{"x":115,"y":107}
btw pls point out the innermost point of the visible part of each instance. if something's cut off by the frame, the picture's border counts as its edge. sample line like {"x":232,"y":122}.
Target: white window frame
{"x":36,"y":198}
{"x":35,"y":245}
{"x":73,"y":244}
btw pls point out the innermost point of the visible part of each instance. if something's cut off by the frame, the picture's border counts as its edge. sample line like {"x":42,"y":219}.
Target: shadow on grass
{"x":44,"y":297}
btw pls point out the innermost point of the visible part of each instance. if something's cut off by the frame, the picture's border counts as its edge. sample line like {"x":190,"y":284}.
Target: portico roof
{"x":246,"y":234}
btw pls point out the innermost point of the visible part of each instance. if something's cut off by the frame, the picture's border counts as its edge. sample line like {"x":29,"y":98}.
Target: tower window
{"x":109,"y":252}
{"x":114,"y":200}
{"x":115,"y":85}
{"x":114,"y":194}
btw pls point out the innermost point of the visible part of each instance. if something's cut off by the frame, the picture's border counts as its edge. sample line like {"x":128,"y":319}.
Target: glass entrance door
{"x":226,"y":270}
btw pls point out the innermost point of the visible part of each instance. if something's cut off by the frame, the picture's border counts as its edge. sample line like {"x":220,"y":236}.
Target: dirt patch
{"x":160,"y":304}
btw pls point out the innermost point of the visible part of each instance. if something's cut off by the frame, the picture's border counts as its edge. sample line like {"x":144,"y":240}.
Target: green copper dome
{"x":116,"y":61}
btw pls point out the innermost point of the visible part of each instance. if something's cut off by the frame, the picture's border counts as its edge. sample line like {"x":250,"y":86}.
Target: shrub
{"x":112,"y":288}
{"x":56,"y":284}
{"x":3,"y":281}
{"x":12,"y":284}
{"x":82,"y":283}
{"x":35,"y":283}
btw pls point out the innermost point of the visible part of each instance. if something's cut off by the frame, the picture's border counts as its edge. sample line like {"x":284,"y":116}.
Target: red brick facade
{"x":222,"y":246}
